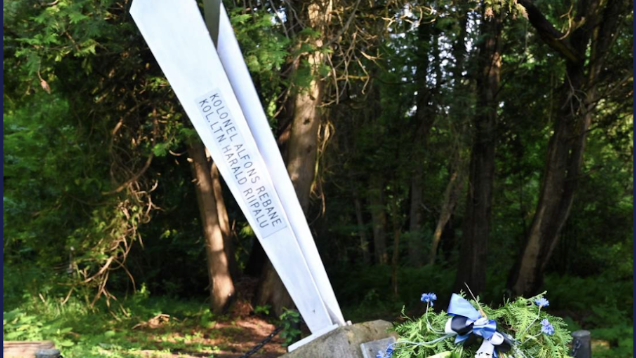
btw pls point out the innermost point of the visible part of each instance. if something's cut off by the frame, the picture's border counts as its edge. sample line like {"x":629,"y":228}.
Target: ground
{"x":229,"y":339}
{"x":204,"y":335}
{"x":226,"y":339}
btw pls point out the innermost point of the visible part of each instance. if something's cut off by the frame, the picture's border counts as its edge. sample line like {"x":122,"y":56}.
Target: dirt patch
{"x":241,"y":335}
{"x":227,"y":339}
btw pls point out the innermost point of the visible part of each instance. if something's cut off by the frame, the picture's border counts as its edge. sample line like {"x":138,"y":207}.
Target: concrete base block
{"x":344,"y":342}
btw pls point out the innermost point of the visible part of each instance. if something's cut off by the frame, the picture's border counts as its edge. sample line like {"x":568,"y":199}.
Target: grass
{"x":138,"y":326}
{"x":143,"y":325}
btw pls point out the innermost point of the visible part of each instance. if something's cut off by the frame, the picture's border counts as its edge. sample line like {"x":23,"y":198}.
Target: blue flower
{"x":429,"y":298}
{"x":387,"y":354}
{"x":546,"y":327}
{"x":542,"y":302}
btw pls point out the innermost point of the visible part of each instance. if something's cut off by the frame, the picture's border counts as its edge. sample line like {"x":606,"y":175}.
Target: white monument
{"x":218,"y":95}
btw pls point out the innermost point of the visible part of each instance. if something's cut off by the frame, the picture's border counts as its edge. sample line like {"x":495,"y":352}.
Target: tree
{"x":307,"y":113}
{"x":221,"y":284}
{"x":224,"y":221}
{"x":83,"y":56}
{"x":459,"y":114}
{"x":302,"y":144}
{"x":585,"y":49}
{"x":451,"y":195}
{"x":474,"y":250}
{"x":425,"y":116}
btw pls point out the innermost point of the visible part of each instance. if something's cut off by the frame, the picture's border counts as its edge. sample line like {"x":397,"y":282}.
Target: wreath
{"x":518,"y":329}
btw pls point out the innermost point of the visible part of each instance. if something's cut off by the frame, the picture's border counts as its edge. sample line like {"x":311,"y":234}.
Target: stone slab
{"x":344,"y":342}
{"x":24,"y":349}
{"x":371,"y":349}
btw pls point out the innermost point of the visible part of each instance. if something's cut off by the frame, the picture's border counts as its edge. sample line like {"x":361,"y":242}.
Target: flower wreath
{"x":518,"y":329}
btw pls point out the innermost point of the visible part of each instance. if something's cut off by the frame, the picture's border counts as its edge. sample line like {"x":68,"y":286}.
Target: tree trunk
{"x":303,"y":140}
{"x":555,"y":201}
{"x":567,"y":144}
{"x":451,"y":195}
{"x":459,"y":48}
{"x":472,"y":260}
{"x":364,"y":240}
{"x":378,"y":216}
{"x":303,"y":143}
{"x":224,"y":221}
{"x":301,"y":148}
{"x":397,"y":231}
{"x":221,"y":284}
{"x":415,"y":238}
{"x":458,"y":114}
{"x":271,"y":291}
{"x":425,"y":119}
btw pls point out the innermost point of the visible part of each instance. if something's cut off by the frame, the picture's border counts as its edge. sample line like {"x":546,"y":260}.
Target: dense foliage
{"x":99,"y":200}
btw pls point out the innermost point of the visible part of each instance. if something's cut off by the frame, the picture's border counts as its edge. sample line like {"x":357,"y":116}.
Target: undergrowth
{"x":118,"y":331}
{"x":33,"y":311}
{"x":600,"y":304}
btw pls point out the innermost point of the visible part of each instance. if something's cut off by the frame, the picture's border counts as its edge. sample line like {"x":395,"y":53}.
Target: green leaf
{"x":309,"y":32}
{"x":161,"y":149}
{"x":76,"y":17}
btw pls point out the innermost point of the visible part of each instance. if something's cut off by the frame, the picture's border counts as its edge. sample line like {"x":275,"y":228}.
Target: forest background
{"x":430,"y":143}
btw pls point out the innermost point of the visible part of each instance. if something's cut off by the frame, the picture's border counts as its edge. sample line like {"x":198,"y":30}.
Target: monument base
{"x":344,"y":342}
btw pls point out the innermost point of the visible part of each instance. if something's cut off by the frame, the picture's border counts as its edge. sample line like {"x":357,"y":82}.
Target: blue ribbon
{"x":485,"y":330}
{"x":459,"y":306}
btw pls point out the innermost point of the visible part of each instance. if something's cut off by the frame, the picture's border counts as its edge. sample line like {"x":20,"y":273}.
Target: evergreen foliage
{"x":521,"y":319}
